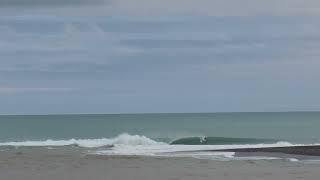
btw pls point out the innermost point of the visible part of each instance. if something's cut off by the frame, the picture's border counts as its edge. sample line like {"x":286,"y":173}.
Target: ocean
{"x":174,"y":134}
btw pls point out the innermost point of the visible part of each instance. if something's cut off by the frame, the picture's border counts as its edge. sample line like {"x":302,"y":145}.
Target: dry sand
{"x":51,"y":166}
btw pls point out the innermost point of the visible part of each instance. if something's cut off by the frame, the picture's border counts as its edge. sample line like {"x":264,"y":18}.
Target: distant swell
{"x":219,"y":141}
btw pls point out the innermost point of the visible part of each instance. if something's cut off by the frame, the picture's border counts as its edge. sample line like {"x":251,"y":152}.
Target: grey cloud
{"x":220,"y":7}
{"x":183,"y":43}
{"x":14,"y":90}
{"x":19,"y":90}
{"x":165,"y":7}
{"x":202,"y":8}
{"x":31,"y":3}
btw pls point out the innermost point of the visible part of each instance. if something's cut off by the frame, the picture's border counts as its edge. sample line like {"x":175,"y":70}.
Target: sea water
{"x":178,"y":134}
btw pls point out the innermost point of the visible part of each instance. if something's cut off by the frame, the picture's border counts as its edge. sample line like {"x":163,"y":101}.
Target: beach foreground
{"x":64,"y":166}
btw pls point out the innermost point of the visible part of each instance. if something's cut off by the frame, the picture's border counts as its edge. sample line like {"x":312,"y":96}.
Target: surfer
{"x":203,"y":140}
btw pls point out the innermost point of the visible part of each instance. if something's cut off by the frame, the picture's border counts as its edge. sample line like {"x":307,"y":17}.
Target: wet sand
{"x":65,"y":166}
{"x":296,"y":150}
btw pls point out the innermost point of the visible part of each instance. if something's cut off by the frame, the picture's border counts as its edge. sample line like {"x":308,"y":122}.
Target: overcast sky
{"x":162,"y":7}
{"x":107,"y":56}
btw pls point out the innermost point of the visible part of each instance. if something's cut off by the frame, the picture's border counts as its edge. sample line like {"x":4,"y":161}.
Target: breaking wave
{"x":124,"y":139}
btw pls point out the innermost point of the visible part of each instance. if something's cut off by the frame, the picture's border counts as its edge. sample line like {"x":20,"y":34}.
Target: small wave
{"x":123,"y":139}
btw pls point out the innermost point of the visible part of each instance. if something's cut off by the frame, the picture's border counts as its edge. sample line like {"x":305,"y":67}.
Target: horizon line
{"x":137,"y":113}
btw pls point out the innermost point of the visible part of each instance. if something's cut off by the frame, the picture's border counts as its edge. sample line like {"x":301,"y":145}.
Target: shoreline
{"x":293,"y":150}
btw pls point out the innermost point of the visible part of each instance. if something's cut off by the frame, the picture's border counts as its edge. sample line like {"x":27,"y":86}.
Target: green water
{"x":301,"y":127}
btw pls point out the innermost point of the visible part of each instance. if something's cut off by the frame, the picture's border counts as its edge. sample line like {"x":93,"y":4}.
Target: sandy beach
{"x":64,"y":166}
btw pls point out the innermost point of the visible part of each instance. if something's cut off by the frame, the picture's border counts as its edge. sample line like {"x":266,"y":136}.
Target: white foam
{"x":256,"y":158}
{"x":124,"y":139}
{"x":204,"y":155}
{"x":293,"y":160}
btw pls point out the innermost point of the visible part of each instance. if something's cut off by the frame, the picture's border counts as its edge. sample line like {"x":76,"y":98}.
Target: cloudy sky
{"x":124,"y":56}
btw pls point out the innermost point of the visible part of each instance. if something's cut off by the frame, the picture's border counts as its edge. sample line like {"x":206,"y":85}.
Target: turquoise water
{"x":295,"y":127}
